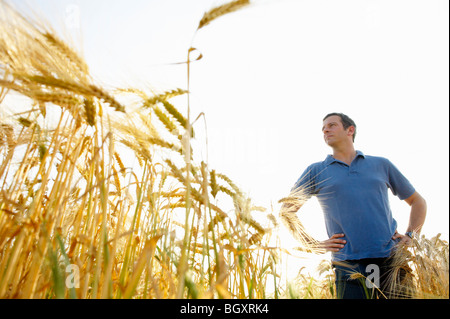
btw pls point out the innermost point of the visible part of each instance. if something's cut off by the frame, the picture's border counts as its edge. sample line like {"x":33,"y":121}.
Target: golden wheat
{"x":221,"y":10}
{"x":71,"y":195}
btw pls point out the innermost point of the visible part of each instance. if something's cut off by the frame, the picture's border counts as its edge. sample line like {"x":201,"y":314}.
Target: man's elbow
{"x":421,"y":202}
{"x":416,"y":200}
{"x":419,"y":206}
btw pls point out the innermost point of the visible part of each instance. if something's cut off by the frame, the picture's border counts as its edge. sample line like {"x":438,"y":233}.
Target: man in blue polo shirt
{"x":352,"y":189}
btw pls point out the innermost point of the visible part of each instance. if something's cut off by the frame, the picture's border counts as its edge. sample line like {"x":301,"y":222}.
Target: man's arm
{"x":416,"y":217}
{"x":418,"y":212}
{"x":289,"y":216}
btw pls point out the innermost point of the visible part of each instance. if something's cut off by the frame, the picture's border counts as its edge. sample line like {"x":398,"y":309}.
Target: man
{"x":352,"y":189}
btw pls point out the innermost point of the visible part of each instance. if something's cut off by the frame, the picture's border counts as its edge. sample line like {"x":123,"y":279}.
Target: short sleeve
{"x":305,"y":185}
{"x":399,"y":184}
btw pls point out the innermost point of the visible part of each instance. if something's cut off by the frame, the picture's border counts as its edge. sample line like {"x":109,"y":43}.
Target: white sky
{"x":272,"y":71}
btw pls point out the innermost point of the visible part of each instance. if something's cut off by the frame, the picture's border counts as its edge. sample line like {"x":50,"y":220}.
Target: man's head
{"x":338,"y":121}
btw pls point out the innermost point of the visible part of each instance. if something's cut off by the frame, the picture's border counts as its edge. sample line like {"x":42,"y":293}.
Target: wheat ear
{"x":219,"y":11}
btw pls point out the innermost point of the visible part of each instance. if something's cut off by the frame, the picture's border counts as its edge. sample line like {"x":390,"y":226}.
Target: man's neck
{"x":345,"y":154}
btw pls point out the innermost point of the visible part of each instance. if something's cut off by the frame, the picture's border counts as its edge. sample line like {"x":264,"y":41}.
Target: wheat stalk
{"x":221,"y":10}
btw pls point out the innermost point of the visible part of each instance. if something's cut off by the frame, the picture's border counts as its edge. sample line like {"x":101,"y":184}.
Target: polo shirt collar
{"x":330,"y":159}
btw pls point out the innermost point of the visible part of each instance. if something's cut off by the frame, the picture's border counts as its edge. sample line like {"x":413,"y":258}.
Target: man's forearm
{"x":290,"y":207}
{"x":289,"y":217}
{"x":418,"y":213}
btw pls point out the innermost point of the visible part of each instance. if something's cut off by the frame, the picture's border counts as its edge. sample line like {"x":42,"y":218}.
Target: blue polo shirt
{"x":354,"y":200}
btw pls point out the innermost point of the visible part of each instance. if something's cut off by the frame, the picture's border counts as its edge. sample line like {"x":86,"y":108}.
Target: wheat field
{"x":101,"y":196}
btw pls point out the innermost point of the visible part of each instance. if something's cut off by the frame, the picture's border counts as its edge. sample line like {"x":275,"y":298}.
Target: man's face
{"x":333,"y":130}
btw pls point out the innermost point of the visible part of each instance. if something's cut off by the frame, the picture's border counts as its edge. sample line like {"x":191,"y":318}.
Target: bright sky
{"x":271,"y":72}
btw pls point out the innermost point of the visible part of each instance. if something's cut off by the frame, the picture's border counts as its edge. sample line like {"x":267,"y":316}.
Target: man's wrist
{"x":410,"y":234}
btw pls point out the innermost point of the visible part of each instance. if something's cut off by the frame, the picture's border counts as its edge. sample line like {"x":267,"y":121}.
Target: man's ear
{"x":351,"y":130}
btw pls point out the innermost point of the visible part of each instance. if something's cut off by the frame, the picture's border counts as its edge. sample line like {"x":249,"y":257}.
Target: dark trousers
{"x":371,"y":278}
